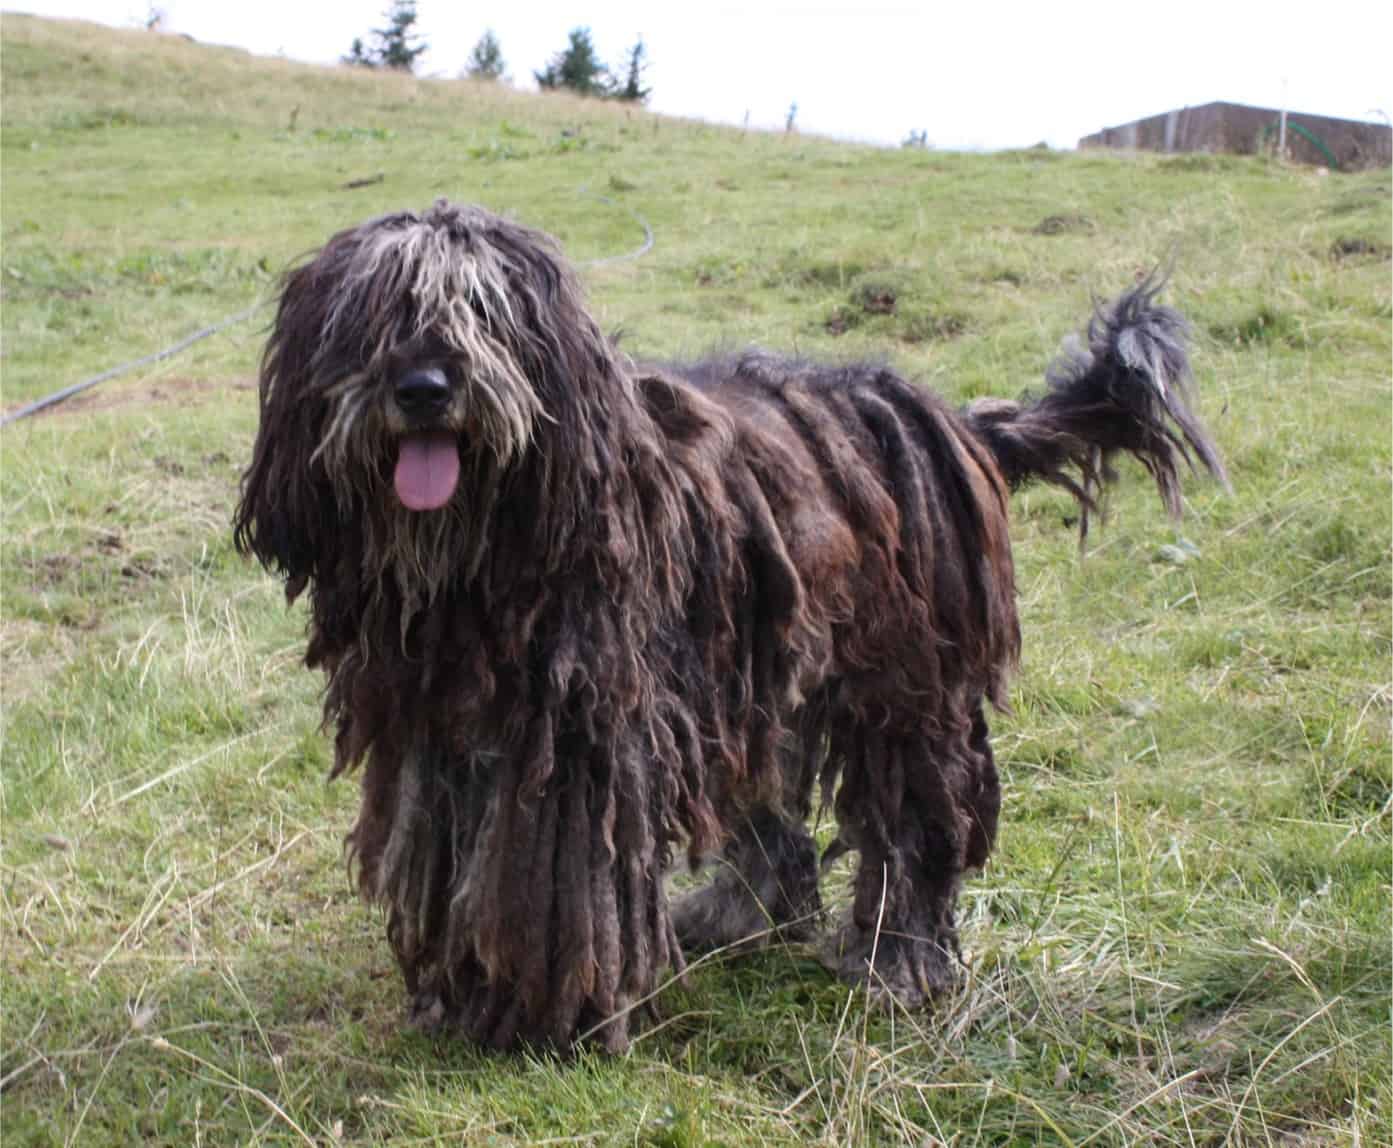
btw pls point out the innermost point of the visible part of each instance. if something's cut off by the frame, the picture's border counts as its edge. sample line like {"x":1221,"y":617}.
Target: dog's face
{"x":422,"y":357}
{"x":413,"y":361}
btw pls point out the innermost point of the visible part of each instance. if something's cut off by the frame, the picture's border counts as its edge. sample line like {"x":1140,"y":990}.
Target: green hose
{"x":1309,"y":136}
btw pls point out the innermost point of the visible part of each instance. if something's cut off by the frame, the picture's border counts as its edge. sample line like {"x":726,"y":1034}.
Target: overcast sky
{"x":970,"y":75}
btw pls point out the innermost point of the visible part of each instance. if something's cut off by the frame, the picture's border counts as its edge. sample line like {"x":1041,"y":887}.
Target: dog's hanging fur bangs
{"x":431,"y":280}
{"x":661,"y":606}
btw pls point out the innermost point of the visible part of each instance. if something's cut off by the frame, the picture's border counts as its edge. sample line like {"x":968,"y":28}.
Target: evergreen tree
{"x":486,"y":60}
{"x":398,"y":43}
{"x":395,"y":46}
{"x":632,"y":89}
{"x":577,"y":68}
{"x":358,"y":56}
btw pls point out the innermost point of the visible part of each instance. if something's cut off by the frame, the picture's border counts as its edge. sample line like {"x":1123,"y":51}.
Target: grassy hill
{"x":1184,"y":936}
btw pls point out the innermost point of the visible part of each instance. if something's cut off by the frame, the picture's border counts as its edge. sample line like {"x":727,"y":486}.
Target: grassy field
{"x":1184,"y":937}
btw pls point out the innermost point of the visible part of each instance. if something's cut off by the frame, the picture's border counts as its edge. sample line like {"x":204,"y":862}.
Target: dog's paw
{"x":725,"y":915}
{"x":716,"y":916}
{"x":426,"y":1013}
{"x":896,"y":969}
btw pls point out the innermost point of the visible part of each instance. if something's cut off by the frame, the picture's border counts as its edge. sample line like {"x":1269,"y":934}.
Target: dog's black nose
{"x":423,"y":392}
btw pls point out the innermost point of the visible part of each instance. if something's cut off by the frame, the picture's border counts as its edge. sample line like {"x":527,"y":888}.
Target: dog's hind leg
{"x":922,"y":810}
{"x":764,"y":888}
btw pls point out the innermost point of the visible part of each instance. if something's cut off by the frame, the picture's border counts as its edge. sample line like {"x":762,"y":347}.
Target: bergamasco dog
{"x":578,"y":615}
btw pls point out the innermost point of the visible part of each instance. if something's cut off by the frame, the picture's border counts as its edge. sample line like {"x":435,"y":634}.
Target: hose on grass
{"x":169,"y":352}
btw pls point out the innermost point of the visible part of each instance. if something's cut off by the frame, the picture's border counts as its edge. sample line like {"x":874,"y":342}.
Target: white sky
{"x":984,"y":75}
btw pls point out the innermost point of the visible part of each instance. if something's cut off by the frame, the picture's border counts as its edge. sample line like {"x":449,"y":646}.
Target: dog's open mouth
{"x":427,"y":469}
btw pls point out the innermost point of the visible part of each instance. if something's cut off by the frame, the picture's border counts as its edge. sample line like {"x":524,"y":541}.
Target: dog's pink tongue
{"x":427,"y":470}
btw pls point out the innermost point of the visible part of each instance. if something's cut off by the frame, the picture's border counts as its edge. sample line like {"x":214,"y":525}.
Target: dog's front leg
{"x":523,"y":890}
{"x":417,"y":820}
{"x":571,"y":923}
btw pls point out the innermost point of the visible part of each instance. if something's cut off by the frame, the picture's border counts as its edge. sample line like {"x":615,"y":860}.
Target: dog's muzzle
{"x":427,"y":469}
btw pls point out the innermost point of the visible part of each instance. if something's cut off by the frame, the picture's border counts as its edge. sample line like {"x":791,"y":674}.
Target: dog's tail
{"x":1126,"y":390}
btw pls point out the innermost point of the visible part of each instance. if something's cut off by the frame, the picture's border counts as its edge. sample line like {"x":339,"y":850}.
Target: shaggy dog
{"x":577,"y":614}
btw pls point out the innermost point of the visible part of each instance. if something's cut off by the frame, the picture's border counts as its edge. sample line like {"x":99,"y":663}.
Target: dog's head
{"x":414,"y":360}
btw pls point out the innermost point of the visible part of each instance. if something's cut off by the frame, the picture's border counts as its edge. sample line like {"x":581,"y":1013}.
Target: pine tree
{"x":577,"y":68}
{"x":486,"y":60}
{"x":632,"y":90}
{"x":358,"y":56}
{"x":395,"y":46}
{"x":398,"y":43}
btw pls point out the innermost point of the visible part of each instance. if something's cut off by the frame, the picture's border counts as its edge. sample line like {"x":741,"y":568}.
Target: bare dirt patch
{"x":1065,"y":224}
{"x":174,"y":389}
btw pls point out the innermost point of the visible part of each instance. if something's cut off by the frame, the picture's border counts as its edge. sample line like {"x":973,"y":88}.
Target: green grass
{"x":1184,"y":937}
